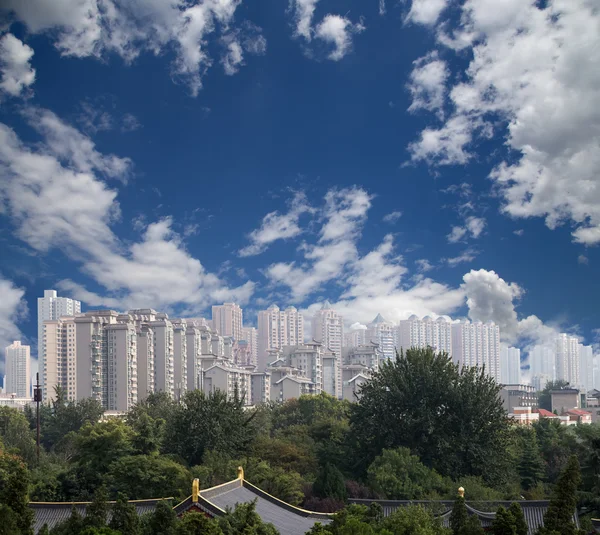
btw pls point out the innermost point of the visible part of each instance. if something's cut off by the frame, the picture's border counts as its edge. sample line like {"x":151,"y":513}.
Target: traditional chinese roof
{"x":578,"y":412}
{"x":53,"y":513}
{"x":546,"y":414}
{"x":533,"y":510}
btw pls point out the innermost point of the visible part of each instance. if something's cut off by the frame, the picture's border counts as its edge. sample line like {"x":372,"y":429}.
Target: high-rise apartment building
{"x":477,"y":344}
{"x":328,"y":328}
{"x":180,"y":358}
{"x":567,"y":359}
{"x":17,"y":370}
{"x":164,"y":357}
{"x":121,"y":365}
{"x":426,"y":332}
{"x":227,"y":320}
{"x":381,"y":332}
{"x":250,"y":335}
{"x":276,"y":329}
{"x":52,"y":307}
{"x":355,"y":338}
{"x":542,"y":360}
{"x":510,"y":366}
{"x":58,"y":364}
{"x":586,"y":367}
{"x":145,"y":361}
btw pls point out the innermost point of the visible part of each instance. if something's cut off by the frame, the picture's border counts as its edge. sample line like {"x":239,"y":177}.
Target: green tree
{"x":412,"y":520}
{"x":197,"y":524}
{"x":9,"y":521}
{"x":162,"y":521}
{"x":124,"y":516}
{"x":559,"y":516}
{"x":244,"y":519}
{"x":504,"y":523}
{"x":44,"y":530}
{"x":149,"y":476}
{"x":531,"y":465}
{"x":100,"y":531}
{"x":14,"y":483}
{"x":520,"y":524}
{"x":398,"y":475}
{"x":97,"y":512}
{"x":330,"y":483}
{"x":72,"y":526}
{"x":452,"y":419}
{"x":16,"y":434}
{"x":459,"y":516}
{"x":204,"y":422}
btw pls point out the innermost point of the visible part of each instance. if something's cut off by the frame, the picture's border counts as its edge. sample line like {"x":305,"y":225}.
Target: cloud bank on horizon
{"x":533,"y":81}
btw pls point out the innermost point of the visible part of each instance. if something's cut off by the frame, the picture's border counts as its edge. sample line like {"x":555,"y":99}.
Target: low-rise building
{"x":514,"y":396}
{"x":578,"y":416}
{"x":524,"y":416}
{"x":565,"y":399}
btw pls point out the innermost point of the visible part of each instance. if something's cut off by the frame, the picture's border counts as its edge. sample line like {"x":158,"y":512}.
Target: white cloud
{"x":12,"y":308}
{"x":233,"y":58}
{"x":519,"y":232}
{"x":17,"y":72}
{"x":457,"y":234}
{"x":392,"y":217}
{"x":423,"y":265}
{"x":303,"y":14}
{"x":130,"y":123}
{"x":382,"y":7}
{"x":534,"y":74}
{"x":83,"y":28}
{"x":475,"y":226}
{"x":276,"y":226}
{"x":338,"y":31}
{"x":491,"y":298}
{"x":426,"y":11}
{"x":236,"y":43}
{"x":55,"y":206}
{"x":582,"y":259}
{"x":468,"y":255}
{"x":333,"y":29}
{"x":427,"y":84}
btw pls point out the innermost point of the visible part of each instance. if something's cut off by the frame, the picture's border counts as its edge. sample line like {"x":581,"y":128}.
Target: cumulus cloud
{"x":468,"y":255}
{"x":276,"y":226}
{"x":56,"y":200}
{"x":535,"y":76}
{"x":427,"y":84}
{"x":473,"y":228}
{"x":12,"y":308}
{"x":426,"y":12}
{"x":423,"y":265}
{"x":237,"y":43}
{"x":15,"y":66}
{"x":98,"y":28}
{"x":333,"y":29}
{"x":582,"y":259}
{"x":392,"y":217}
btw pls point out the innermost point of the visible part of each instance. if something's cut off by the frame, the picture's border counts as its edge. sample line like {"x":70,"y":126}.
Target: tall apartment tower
{"x":586,"y":367}
{"x":121,"y":365}
{"x":477,"y":344}
{"x":145,"y":361}
{"x":328,"y":328}
{"x":17,"y":370}
{"x":381,"y":331}
{"x":426,"y":332}
{"x":355,"y":338}
{"x":250,"y":335}
{"x":180,"y":358}
{"x":58,"y":364}
{"x":227,"y":319}
{"x":542,"y":360}
{"x":567,"y":359}
{"x":164,"y":358}
{"x":276,"y":329}
{"x":52,"y":307}
{"x":510,"y":366}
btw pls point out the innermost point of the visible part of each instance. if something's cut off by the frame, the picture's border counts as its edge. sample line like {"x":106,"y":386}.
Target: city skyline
{"x":270,"y":156}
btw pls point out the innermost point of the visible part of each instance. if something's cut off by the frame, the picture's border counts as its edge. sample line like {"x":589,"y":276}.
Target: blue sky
{"x":425,"y":156}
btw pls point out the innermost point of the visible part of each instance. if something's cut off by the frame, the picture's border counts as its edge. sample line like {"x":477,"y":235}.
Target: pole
{"x":37,"y":396}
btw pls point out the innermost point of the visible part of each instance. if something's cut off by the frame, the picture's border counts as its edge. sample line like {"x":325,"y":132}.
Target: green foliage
{"x":9,"y":521}
{"x":100,"y":531}
{"x":459,"y":517}
{"x":520,"y":524}
{"x":531,"y":467}
{"x":14,"y":482}
{"x":207,"y":422}
{"x":559,"y":516}
{"x":72,"y":526}
{"x":452,"y":419}
{"x":97,"y":512}
{"x":398,"y":475}
{"x":124,"y":517}
{"x":149,"y":476}
{"x":504,"y":523}
{"x":197,"y":524}
{"x":330,"y":483}
{"x":245,"y":520}
{"x":16,"y":434}
{"x":412,"y":520}
{"x":162,"y":521}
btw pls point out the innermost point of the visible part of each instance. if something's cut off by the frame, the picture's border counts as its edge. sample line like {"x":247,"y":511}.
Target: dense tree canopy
{"x":452,"y":419}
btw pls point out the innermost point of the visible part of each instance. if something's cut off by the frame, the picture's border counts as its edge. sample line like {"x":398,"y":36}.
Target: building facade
{"x":51,"y":307}
{"x":567,"y":359}
{"x":477,"y":344}
{"x":510,"y":366}
{"x":542,"y":360}
{"x":17,"y":370}
{"x":426,"y":332}
{"x":276,"y":329}
{"x":228,"y":320}
{"x":586,"y":367}
{"x":328,"y":328}
{"x":250,"y":336}
{"x":382,"y":333}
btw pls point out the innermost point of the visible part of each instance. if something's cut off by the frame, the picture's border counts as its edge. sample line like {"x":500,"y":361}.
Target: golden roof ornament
{"x":195,"y":490}
{"x":240,"y":473}
{"x":461,"y":492}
